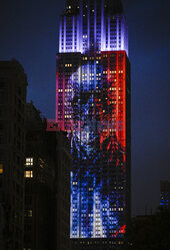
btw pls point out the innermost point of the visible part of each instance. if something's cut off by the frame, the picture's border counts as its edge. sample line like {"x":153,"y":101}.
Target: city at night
{"x":84,"y":139}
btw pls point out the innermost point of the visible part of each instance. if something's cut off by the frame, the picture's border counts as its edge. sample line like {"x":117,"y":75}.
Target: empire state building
{"x":93,"y":106}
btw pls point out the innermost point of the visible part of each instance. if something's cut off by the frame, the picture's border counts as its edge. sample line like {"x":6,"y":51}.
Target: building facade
{"x":62,"y":187}
{"x":93,"y":106}
{"x":47,"y":182}
{"x":13,"y":88}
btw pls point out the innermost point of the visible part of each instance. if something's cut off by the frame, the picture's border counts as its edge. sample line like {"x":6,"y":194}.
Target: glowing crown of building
{"x":95,"y":25}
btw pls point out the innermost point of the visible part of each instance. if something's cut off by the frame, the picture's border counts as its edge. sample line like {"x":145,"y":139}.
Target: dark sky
{"x":29,"y":33}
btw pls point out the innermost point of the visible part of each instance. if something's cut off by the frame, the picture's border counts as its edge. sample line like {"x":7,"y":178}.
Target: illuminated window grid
{"x":28,"y":174}
{"x":84,"y":230}
{"x":29,"y":162}
{"x":115,"y":64}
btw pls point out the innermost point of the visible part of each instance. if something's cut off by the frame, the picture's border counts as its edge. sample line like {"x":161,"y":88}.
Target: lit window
{"x":29,"y":213}
{"x":29,"y":174}
{"x":29,"y":162}
{"x":1,"y":168}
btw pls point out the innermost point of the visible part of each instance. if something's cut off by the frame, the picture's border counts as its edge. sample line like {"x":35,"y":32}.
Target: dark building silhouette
{"x":150,"y":231}
{"x":165,"y":194}
{"x":62,"y":187}
{"x":47,"y":181}
{"x":13,"y":89}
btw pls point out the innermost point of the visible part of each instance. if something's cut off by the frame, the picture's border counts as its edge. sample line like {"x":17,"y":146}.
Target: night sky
{"x":29,"y":33}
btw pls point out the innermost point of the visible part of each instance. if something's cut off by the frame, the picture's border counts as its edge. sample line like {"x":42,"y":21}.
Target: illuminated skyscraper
{"x":165,"y":194}
{"x":93,"y":105}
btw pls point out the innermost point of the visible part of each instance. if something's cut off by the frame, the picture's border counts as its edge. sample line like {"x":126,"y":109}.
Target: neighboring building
{"x":149,"y":231}
{"x":47,"y":196}
{"x":93,"y":106}
{"x":165,"y":194}
{"x":39,"y":185}
{"x":13,"y":89}
{"x":62,"y":185}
